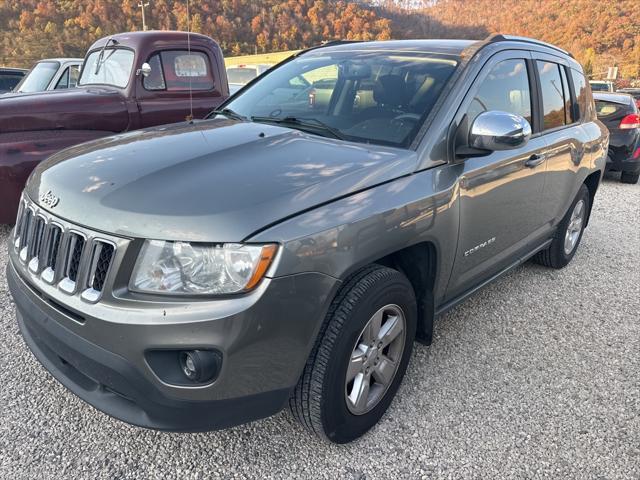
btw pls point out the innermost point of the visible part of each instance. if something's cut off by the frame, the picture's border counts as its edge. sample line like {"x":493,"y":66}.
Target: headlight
{"x":200,"y":269}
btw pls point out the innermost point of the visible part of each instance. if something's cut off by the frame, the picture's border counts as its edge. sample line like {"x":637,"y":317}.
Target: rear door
{"x":500,"y":192}
{"x":562,"y":130}
{"x":179,"y":83}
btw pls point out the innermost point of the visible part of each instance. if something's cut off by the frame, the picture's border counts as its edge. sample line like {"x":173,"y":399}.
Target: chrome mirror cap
{"x":145,"y":70}
{"x":496,"y":130}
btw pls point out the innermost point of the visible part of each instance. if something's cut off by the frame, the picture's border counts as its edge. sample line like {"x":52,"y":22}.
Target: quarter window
{"x":506,"y":88}
{"x":583,"y":96}
{"x":553,"y":101}
{"x":177,"y":70}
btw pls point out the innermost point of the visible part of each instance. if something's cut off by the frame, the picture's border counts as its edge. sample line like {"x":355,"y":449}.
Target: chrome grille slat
{"x":76,"y":260}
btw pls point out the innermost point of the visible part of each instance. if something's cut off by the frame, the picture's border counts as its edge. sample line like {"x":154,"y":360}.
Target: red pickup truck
{"x":128,"y":81}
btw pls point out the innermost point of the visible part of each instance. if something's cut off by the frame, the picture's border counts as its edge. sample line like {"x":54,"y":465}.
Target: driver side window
{"x":506,"y":88}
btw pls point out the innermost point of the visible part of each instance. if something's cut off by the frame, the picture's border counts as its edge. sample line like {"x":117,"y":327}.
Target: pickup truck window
{"x":506,"y":88}
{"x":377,"y":97}
{"x":115,"y":68}
{"x":69,"y":78}
{"x":39,"y":77}
{"x":553,"y":100}
{"x":177,"y":70}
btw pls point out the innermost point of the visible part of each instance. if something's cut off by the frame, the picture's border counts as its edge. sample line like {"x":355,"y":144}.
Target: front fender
{"x":338,"y":238}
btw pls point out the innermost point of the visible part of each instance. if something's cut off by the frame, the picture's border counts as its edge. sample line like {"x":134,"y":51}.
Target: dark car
{"x":208,"y":273}
{"x":128,"y":81}
{"x":10,"y":77}
{"x":619,"y":113}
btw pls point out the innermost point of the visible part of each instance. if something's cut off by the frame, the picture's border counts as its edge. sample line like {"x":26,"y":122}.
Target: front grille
{"x":74,"y":255}
{"x":102,"y":257}
{"x":61,"y":255}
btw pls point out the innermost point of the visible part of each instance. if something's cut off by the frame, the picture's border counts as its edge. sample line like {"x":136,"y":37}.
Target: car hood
{"x":216,"y":180}
{"x":83,"y":108}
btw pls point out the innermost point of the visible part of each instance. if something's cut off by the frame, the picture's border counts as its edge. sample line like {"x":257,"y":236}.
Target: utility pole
{"x":143,"y":4}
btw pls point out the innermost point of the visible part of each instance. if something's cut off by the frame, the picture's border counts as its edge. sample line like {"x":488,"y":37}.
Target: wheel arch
{"x":419,"y":263}
{"x":592,"y":182}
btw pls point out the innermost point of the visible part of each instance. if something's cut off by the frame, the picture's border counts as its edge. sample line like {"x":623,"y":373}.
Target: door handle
{"x":535,"y":160}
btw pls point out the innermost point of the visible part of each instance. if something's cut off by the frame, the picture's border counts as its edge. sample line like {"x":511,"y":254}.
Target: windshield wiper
{"x":227,"y":112}
{"x":303,"y":124}
{"x":101,"y":56}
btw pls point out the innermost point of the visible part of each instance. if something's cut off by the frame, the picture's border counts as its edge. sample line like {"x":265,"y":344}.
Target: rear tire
{"x":325,"y":401}
{"x":629,"y":177}
{"x":568,"y":235}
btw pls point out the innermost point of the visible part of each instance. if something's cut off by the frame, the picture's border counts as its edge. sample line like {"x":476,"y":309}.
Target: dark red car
{"x":128,"y":81}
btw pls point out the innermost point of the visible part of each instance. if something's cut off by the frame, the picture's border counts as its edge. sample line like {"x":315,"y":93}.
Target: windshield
{"x":115,"y":68}
{"x":367,"y":96}
{"x":39,"y":77}
{"x":600,"y":87}
{"x":241,"y":75}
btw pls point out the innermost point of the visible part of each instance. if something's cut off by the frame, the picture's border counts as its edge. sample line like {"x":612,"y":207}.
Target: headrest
{"x":390,"y":90}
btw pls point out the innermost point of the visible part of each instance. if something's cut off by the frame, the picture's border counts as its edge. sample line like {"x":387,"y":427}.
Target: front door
{"x":499,"y":193}
{"x":179,"y":83}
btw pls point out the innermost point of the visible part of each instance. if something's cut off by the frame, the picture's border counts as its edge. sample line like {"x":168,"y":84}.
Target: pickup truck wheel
{"x":360,"y":357}
{"x":569,"y":233}
{"x":629,"y":177}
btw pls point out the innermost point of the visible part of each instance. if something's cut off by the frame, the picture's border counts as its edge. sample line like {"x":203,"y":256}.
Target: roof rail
{"x":498,"y":37}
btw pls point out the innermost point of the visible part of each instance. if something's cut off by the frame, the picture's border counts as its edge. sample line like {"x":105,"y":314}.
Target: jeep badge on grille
{"x":48,"y":199}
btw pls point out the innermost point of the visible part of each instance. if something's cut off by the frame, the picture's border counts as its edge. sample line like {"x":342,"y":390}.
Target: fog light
{"x":199,"y":365}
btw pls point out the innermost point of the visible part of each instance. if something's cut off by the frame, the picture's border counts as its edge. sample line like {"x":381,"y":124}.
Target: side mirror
{"x":496,"y":130}
{"x":145,"y":70}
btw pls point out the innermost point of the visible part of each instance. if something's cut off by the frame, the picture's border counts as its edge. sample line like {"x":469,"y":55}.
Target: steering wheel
{"x":404,"y":117}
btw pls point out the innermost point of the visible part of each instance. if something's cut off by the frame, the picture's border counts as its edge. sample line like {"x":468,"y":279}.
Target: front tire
{"x":568,"y":235}
{"x":360,"y":357}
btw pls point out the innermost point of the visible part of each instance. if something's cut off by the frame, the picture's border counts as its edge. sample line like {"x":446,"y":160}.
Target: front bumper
{"x":264,"y":350}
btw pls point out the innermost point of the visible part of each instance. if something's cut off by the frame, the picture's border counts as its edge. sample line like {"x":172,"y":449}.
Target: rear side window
{"x":506,"y":88}
{"x":605,"y":109}
{"x":553,"y":95}
{"x":69,"y":78}
{"x":583,"y":96}
{"x":179,"y":70}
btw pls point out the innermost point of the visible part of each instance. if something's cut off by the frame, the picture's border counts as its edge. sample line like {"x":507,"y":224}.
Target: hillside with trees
{"x":598,"y":33}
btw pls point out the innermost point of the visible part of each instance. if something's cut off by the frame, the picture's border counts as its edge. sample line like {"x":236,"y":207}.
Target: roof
{"x":143,"y":40}
{"x":450,"y":47}
{"x":62,"y":60}
{"x":443,"y":46}
{"x":13,"y":70}
{"x":623,"y":98}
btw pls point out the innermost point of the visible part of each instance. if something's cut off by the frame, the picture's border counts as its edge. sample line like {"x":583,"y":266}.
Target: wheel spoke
{"x":568,"y":243}
{"x":356,"y":363}
{"x":372,"y":330}
{"x":360,"y":392}
{"x":384,"y":371}
{"x":390,"y":330}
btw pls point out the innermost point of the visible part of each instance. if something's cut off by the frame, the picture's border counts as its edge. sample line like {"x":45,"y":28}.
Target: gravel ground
{"x":536,"y":376}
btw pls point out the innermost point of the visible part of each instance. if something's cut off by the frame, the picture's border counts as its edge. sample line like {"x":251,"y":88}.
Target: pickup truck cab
{"x":208,"y":273}
{"x":128,"y":81}
{"x":50,"y":74}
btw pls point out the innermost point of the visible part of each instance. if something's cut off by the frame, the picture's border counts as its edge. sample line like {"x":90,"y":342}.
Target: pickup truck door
{"x":499,"y":193}
{"x":179,"y":82}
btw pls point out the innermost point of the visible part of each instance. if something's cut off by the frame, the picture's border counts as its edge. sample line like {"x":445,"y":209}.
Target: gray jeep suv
{"x":291,"y":248}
